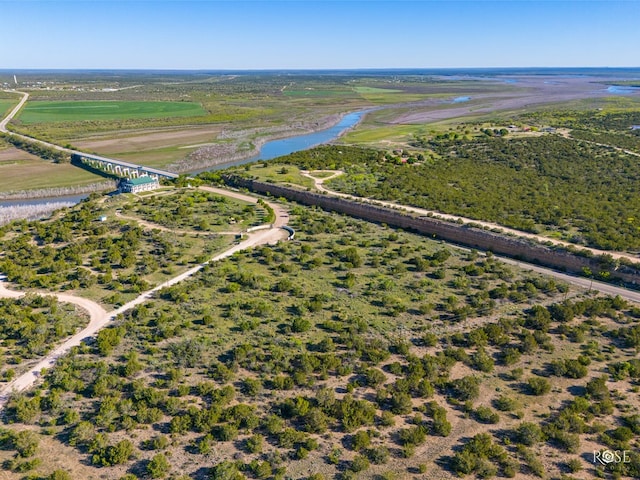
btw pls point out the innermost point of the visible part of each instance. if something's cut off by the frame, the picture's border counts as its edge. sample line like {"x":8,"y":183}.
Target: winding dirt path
{"x":162,"y":228}
{"x":318,"y":182}
{"x":100,"y":318}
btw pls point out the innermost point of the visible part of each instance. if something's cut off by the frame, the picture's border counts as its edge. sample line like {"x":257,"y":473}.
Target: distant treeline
{"x":37,"y":149}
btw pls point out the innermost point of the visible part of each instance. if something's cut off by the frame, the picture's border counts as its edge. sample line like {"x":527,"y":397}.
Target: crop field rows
{"x":79,"y":111}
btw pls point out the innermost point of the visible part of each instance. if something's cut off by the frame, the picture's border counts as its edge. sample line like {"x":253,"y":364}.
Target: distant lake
{"x":461,"y":99}
{"x":623,"y":89}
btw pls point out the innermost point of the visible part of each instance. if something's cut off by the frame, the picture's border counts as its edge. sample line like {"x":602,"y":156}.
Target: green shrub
{"x":158,"y":467}
{"x":486,"y":415}
{"x":254,"y":444}
{"x":539,"y":386}
{"x":359,"y":464}
{"x":528,"y":434}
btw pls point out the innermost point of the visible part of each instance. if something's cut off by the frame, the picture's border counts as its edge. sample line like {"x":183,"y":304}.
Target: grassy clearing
{"x":312,"y":92}
{"x":194,"y":212}
{"x":46,"y":112}
{"x":322,"y":174}
{"x":277,"y":173}
{"x":5,"y":106}
{"x":368,"y":90}
{"x":22,"y":171}
{"x":160,"y":157}
{"x":383,"y":135}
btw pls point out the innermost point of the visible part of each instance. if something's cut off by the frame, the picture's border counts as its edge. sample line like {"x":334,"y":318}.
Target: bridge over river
{"x":118,"y":167}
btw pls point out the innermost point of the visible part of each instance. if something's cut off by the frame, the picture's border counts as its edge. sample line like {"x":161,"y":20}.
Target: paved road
{"x":605,"y":288}
{"x":101,"y":318}
{"x":456,"y":218}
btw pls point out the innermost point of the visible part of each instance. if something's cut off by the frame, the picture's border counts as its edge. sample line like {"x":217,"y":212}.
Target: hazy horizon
{"x":317,"y":35}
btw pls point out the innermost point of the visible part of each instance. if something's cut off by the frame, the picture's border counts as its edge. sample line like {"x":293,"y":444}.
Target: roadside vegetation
{"x":31,"y":326}
{"x":101,"y":249}
{"x":354,"y":350}
{"x":543,"y":184}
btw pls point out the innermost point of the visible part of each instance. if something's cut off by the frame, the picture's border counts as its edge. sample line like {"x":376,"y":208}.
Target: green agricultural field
{"x":21,"y":171}
{"x":39,"y":174}
{"x":46,"y":112}
{"x":5,"y":106}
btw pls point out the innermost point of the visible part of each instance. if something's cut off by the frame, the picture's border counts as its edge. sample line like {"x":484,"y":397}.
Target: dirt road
{"x":14,"y":112}
{"x":98,"y":318}
{"x":101,"y":318}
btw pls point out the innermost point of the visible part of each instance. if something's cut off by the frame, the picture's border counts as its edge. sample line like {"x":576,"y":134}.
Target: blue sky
{"x":307,"y":34}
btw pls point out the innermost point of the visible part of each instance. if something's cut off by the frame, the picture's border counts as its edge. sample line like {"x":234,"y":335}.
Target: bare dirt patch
{"x":151,"y":139}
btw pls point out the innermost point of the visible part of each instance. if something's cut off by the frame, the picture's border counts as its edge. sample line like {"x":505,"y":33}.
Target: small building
{"x":136,"y":185}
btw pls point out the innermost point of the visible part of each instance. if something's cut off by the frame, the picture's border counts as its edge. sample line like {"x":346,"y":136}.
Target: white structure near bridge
{"x":137,"y":185}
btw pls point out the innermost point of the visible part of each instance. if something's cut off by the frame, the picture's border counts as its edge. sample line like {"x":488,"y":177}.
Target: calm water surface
{"x":272,"y":149}
{"x":40,"y":201}
{"x":285,"y":146}
{"x":622,"y":89}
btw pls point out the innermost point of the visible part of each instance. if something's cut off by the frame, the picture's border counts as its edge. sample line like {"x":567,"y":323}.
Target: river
{"x":45,"y":200}
{"x":268,"y":151}
{"x":285,"y":146}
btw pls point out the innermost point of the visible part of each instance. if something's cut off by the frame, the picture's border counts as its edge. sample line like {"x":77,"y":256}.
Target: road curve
{"x":14,"y":112}
{"x":101,"y":318}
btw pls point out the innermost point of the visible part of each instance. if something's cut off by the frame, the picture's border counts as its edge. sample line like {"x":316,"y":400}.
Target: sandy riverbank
{"x":534,"y":91}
